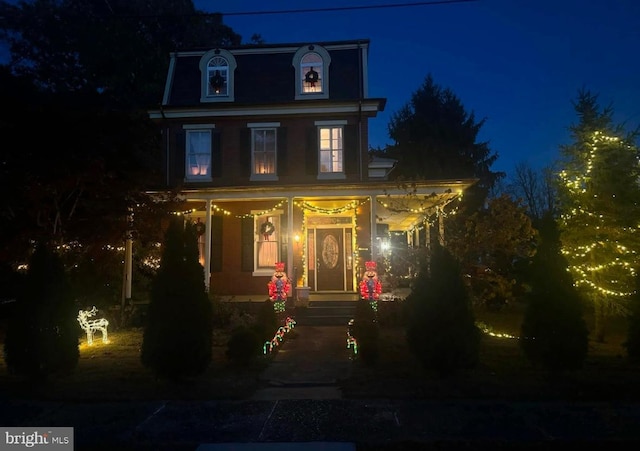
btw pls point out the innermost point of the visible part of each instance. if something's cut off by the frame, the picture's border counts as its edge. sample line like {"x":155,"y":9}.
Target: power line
{"x":343,"y":8}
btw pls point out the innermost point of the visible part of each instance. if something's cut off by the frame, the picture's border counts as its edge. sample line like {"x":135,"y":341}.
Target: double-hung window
{"x":198,"y":154}
{"x":264,"y":151}
{"x":217,"y":75}
{"x":267,"y":243}
{"x":331,"y":149}
{"x":311,"y":65}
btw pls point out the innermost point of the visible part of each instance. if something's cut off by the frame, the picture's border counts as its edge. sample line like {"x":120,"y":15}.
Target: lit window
{"x":311,"y":64}
{"x":311,"y":72}
{"x":263,"y":144}
{"x":198,"y":154}
{"x":217,"y":68}
{"x":267,"y":227}
{"x":331,"y":149}
{"x":218,"y":76}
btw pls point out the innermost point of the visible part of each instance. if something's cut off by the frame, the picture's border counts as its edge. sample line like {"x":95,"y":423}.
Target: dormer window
{"x":312,"y":72}
{"x":217,"y":68}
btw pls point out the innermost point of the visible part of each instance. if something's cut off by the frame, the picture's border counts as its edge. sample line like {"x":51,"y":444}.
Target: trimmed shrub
{"x":42,"y":334}
{"x":554,"y":333}
{"x":367,"y":333}
{"x":243,"y":346}
{"x":266,"y":321}
{"x":177,"y":339}
{"x":441,"y":330}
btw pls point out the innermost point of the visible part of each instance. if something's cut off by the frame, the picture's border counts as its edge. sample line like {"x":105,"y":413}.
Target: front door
{"x":329,"y":270}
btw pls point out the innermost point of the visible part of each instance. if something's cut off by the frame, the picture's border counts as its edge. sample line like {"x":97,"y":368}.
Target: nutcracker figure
{"x":370,"y":286}
{"x":279,"y":288}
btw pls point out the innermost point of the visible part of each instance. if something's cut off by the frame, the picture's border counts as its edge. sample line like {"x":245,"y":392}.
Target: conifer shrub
{"x":554,"y":334}
{"x":244,"y":345}
{"x":177,"y":339}
{"x":632,"y":342}
{"x":42,"y":333}
{"x":266,"y":322}
{"x":441,"y":330}
{"x":367,"y":333}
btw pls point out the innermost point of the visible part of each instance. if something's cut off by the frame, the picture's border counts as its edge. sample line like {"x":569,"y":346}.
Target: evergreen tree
{"x":632,"y":343}
{"x":554,"y":333}
{"x":42,"y":334}
{"x":598,"y":198}
{"x":177,"y":338}
{"x":434,"y":137}
{"x":441,"y":329}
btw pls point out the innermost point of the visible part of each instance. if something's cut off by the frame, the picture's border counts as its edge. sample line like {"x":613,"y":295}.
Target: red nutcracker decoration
{"x":279,"y":287}
{"x":370,"y":286}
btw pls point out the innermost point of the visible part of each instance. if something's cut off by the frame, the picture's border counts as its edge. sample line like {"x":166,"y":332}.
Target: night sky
{"x":517,"y":63}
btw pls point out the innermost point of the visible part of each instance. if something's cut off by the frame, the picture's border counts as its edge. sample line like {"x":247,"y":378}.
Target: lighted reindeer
{"x":90,"y":326}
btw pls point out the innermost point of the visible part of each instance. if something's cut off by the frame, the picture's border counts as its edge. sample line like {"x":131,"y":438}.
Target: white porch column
{"x":290,"y":241}
{"x":427,"y":234}
{"x":441,"y":227}
{"x":373,"y":200}
{"x":207,"y":245}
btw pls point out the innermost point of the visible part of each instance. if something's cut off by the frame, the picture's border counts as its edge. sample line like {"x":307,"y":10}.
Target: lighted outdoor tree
{"x":598,"y":197}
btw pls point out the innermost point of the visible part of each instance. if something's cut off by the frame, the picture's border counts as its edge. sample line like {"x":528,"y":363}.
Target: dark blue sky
{"x":517,"y":63}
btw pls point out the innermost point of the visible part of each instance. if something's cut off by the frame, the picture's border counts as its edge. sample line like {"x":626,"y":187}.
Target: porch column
{"x":427,"y":234}
{"x":441,"y":227}
{"x":290,"y":241}
{"x":373,"y":200}
{"x":207,"y":245}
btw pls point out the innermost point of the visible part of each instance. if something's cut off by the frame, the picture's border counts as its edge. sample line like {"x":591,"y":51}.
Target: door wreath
{"x":266,"y":229}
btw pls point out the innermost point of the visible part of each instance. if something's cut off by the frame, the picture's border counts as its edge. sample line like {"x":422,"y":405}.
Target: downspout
{"x":166,"y":146}
{"x":360,"y":95}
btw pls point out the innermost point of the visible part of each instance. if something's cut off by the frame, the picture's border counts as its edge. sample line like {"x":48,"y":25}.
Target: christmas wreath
{"x":311,"y":77}
{"x":266,"y":229}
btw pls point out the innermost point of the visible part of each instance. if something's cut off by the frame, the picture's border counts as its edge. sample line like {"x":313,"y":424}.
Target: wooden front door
{"x":329,"y":253}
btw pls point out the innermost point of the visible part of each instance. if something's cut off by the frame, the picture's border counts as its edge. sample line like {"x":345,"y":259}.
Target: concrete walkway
{"x":308,"y":365}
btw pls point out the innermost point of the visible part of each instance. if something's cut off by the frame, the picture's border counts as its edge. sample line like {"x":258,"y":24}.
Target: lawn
{"x":113,"y":371}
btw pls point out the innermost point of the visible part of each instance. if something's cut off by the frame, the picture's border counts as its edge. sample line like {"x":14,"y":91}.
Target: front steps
{"x":325,"y":313}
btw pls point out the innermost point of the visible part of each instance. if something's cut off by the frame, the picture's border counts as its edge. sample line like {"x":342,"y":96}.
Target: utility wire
{"x":343,"y":8}
{"x":298,"y":11}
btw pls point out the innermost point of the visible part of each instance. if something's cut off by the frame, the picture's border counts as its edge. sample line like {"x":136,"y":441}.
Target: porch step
{"x":326,"y":313}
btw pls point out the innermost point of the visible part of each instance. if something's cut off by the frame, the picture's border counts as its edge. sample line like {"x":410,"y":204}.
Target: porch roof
{"x":400,"y":205}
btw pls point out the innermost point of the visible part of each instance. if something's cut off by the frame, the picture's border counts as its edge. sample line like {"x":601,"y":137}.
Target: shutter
{"x":246,"y":240}
{"x":177,"y":163}
{"x":351,"y":149}
{"x":245,"y":151}
{"x":216,"y":154}
{"x":216,"y":243}
{"x":312,"y":151}
{"x":282,"y":151}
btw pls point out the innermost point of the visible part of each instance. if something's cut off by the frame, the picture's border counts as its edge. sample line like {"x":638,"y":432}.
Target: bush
{"x":554,"y":333}
{"x":42,"y":334}
{"x":243,"y":346}
{"x":367,"y":333}
{"x":177,"y":340}
{"x":441,"y":330}
{"x":266,"y":321}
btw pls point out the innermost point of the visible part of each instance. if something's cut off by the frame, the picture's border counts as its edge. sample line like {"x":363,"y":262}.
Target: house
{"x":268,"y":144}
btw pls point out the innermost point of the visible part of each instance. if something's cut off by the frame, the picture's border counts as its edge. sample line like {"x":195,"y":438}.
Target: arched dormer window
{"x":312,"y":72}
{"x":217,"y":68}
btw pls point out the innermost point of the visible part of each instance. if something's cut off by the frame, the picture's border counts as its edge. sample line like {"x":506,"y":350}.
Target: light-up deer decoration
{"x":90,"y":326}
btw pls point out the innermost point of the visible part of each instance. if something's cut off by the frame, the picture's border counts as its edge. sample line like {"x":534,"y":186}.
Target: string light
{"x":586,"y":273}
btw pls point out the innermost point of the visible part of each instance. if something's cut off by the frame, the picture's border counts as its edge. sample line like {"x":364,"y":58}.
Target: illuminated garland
{"x":330,"y":211}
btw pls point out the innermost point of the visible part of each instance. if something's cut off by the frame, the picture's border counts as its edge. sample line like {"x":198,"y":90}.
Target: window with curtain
{"x":264,"y":149}
{"x":198,"y":154}
{"x":267,"y":229}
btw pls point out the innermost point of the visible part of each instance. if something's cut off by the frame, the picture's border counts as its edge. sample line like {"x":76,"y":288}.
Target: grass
{"x":112,"y":372}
